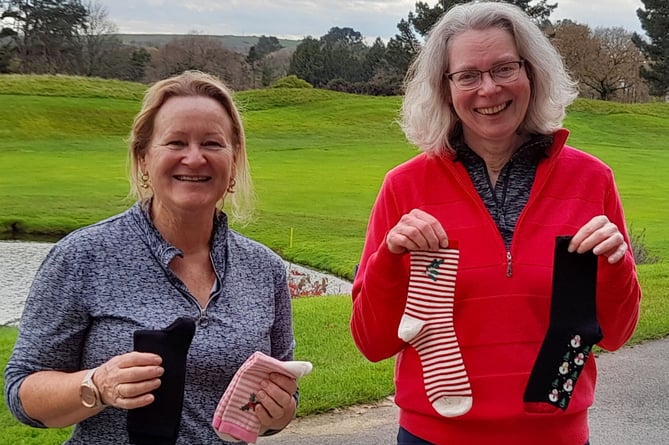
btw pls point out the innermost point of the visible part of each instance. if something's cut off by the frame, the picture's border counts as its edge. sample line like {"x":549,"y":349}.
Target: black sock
{"x":573,"y":330}
{"x":158,"y":423}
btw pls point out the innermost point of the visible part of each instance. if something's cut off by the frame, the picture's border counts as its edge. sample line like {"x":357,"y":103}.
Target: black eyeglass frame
{"x":520,"y":63}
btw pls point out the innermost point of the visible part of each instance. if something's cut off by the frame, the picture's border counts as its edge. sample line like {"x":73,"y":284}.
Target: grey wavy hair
{"x":427,"y":118}
{"x":192,"y":83}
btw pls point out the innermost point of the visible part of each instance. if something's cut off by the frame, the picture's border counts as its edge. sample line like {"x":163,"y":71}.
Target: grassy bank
{"x":318,"y":159}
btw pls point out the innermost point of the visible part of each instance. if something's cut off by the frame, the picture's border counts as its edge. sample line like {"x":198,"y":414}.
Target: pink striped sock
{"x":235,"y":419}
{"x":427,"y":324}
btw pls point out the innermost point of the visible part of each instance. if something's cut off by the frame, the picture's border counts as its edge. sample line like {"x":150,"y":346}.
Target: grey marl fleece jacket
{"x":101,"y":283}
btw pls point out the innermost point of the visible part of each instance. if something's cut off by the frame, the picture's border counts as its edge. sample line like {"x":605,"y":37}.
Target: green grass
{"x":317,"y":158}
{"x":13,"y":432}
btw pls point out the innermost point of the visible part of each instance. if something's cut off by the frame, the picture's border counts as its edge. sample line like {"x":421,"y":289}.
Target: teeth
{"x":491,"y":110}
{"x":191,"y":178}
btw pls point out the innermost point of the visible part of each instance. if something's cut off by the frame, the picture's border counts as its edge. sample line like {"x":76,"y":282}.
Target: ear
{"x":447,"y":95}
{"x":235,"y":155}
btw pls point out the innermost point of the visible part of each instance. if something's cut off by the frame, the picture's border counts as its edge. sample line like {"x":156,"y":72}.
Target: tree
{"x":341,"y":61}
{"x":655,"y":21}
{"x":257,"y":53}
{"x":403,"y":47}
{"x":375,"y":58}
{"x":344,"y":50}
{"x":425,"y":17}
{"x":47,"y":33}
{"x":194,"y":52}
{"x":99,"y":43}
{"x":275,"y":66}
{"x":338,"y":55}
{"x":135,"y":68}
{"x":267,"y":45}
{"x":346,"y":37}
{"x":7,"y":48}
{"x":615,"y":63}
{"x":605,"y":62}
{"x":308,"y":62}
{"x":540,"y":12}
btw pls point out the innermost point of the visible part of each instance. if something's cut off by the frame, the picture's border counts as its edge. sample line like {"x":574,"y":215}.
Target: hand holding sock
{"x":235,"y":419}
{"x":158,"y":423}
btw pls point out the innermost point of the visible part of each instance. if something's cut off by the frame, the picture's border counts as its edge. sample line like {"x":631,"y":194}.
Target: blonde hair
{"x":427,"y":117}
{"x":192,"y":83}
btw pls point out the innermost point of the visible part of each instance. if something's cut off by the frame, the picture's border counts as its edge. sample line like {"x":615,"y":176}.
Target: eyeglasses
{"x":471,"y":79}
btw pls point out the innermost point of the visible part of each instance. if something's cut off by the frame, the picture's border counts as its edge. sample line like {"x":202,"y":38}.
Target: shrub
{"x":291,"y":81}
{"x":641,"y":254}
{"x":340,"y":85}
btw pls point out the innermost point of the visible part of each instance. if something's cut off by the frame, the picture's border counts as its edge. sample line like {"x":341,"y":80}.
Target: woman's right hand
{"x":126,"y":381}
{"x":416,"y":230}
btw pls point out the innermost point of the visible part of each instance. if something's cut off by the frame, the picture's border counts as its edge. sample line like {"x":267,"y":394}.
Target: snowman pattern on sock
{"x":568,"y":372}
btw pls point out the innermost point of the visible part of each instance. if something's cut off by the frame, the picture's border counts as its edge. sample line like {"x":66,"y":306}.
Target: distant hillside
{"x":240,"y":44}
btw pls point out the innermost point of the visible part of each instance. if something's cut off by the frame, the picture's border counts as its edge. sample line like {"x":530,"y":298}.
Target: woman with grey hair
{"x":498,"y":257}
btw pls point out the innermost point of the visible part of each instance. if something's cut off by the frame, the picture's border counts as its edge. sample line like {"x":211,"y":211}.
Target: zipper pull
{"x":203,"y":321}
{"x":508,"y":264}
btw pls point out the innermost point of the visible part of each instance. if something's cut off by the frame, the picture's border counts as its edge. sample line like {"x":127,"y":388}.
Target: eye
{"x":175,"y":144}
{"x":506,"y":70}
{"x":467,"y":77}
{"x":214,"y":145}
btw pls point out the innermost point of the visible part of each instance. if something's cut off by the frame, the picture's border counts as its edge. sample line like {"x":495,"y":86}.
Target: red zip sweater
{"x":502,"y":300}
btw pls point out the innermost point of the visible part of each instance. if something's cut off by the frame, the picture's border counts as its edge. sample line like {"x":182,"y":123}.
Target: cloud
{"x":297,"y":19}
{"x":604,"y":13}
{"x":281,"y":18}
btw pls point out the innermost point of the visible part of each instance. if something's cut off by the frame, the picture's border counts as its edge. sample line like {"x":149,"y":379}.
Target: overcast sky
{"x":296,"y":19}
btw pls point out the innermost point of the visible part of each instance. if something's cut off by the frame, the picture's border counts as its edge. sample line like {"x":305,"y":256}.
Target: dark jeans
{"x":406,"y":438}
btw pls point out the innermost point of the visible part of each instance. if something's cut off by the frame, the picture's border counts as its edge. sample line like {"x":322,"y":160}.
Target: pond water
{"x":19,"y":261}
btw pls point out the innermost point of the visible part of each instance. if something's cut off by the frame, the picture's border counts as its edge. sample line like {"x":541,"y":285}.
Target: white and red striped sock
{"x":427,"y":324}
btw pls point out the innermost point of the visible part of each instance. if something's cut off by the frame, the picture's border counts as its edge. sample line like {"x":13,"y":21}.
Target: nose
{"x":193,"y":155}
{"x":488,"y":84}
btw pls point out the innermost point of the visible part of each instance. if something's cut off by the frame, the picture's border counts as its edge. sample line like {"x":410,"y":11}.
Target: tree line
{"x":77,"y":37}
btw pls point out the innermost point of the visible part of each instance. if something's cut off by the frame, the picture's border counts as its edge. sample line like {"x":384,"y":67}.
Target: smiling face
{"x":190,"y":157}
{"x":491,"y":113}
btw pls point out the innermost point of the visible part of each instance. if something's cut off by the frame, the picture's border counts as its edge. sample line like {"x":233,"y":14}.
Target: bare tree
{"x":100,"y":44}
{"x":605,"y":61}
{"x":616,"y":66}
{"x":195,"y":52}
{"x":574,"y":42}
{"x":275,"y":65}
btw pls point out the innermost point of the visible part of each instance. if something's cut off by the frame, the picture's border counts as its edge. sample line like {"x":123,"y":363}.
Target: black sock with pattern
{"x":572,"y":332}
{"x":158,"y":423}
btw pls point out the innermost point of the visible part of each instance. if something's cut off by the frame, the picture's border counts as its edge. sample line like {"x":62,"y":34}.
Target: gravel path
{"x":631,"y":407}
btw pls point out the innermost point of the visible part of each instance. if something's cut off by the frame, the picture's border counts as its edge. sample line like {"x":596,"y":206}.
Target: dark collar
{"x":534,"y":149}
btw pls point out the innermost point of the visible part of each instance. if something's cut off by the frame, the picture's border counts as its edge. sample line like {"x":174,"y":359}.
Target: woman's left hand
{"x":277,"y":404}
{"x":603,"y":237}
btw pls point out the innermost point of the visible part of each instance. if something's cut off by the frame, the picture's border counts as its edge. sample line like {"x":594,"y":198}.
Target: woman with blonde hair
{"x":168,"y":271}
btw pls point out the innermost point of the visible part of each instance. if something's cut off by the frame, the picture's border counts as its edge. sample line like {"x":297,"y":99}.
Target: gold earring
{"x":144,"y":181}
{"x":231,"y":186}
